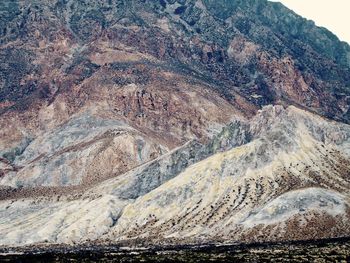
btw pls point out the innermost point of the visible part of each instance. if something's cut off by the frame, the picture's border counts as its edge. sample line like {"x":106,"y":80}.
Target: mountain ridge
{"x":279,"y":169}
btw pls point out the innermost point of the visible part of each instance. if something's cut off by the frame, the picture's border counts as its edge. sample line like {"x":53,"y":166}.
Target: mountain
{"x":156,"y":122}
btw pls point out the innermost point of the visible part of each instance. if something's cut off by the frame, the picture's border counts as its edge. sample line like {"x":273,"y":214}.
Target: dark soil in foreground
{"x":337,"y":250}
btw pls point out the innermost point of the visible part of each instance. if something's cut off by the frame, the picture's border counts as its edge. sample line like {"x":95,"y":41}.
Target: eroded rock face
{"x":260,"y":49}
{"x":155,"y":112}
{"x":264,"y":180}
{"x":112,"y":129}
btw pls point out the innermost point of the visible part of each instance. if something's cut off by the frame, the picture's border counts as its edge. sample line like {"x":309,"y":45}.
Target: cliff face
{"x":117,"y":105}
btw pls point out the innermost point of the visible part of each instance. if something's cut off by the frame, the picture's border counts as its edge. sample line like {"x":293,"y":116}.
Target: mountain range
{"x":146,"y":122}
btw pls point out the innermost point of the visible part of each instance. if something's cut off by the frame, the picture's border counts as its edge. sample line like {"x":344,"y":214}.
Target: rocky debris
{"x":320,"y":250}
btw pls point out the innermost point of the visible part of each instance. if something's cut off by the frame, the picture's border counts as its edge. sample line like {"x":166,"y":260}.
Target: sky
{"x":332,"y":14}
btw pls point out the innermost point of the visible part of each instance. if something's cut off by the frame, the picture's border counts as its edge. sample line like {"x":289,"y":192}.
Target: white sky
{"x":332,"y":14}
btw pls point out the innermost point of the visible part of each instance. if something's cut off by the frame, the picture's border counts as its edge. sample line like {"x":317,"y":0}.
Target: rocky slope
{"x":147,"y":121}
{"x":284,"y":175}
